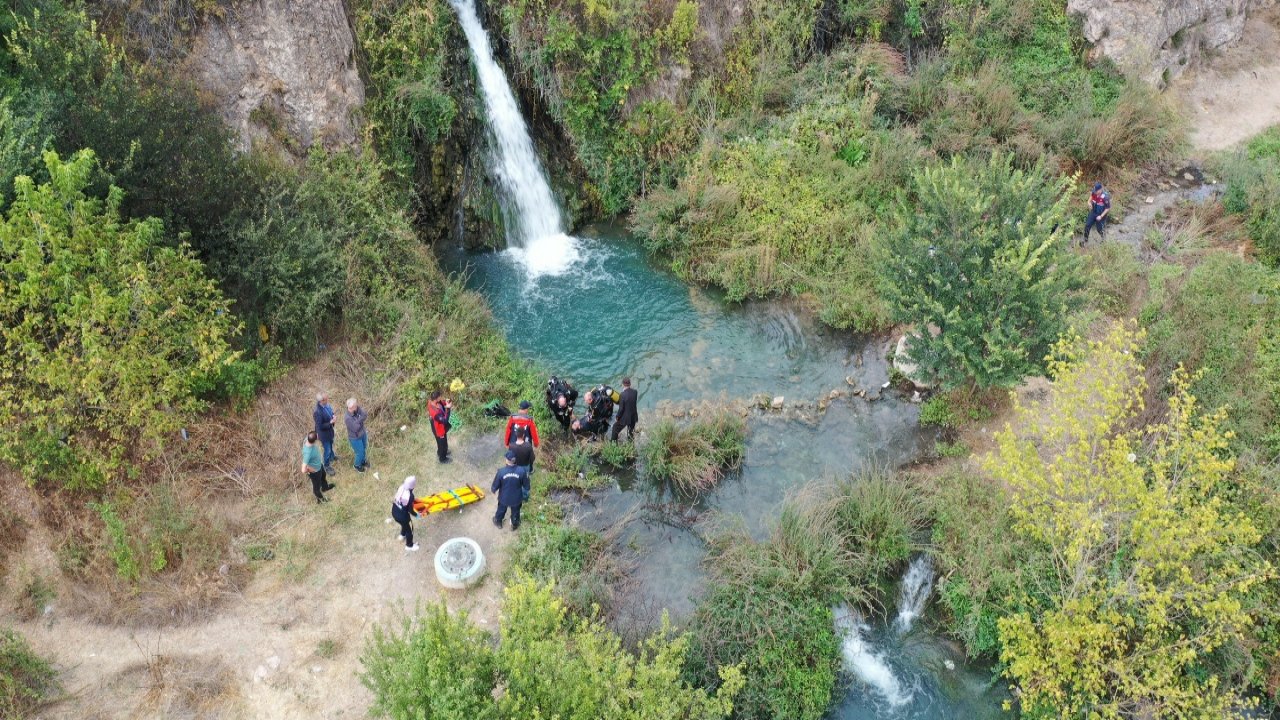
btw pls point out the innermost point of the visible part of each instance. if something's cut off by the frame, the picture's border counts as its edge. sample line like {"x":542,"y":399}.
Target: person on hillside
{"x":325,"y":420}
{"x":1099,"y":209}
{"x":313,"y":467}
{"x":512,"y":485}
{"x":521,"y":419}
{"x":523,"y":449}
{"x":440,"y":409}
{"x":627,"y":415}
{"x":402,"y":510}
{"x":561,"y":397}
{"x":356,"y":433}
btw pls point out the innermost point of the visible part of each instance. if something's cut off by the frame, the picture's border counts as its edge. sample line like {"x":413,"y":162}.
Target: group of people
{"x":511,"y":483}
{"x":600,"y":402}
{"x":318,"y":454}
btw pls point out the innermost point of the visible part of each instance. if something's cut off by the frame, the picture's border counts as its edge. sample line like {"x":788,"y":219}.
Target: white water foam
{"x":535,"y":229}
{"x":866,"y":664}
{"x":914,"y":593}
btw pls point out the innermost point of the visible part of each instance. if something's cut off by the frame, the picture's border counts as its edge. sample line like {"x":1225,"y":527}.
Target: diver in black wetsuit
{"x":600,"y":402}
{"x":561,"y":397}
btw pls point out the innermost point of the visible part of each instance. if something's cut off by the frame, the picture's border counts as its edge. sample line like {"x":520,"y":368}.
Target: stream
{"x":592,"y":308}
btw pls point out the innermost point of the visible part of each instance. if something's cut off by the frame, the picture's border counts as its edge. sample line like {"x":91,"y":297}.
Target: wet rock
{"x":1188,"y":177}
{"x":903,"y":363}
{"x":1149,"y":200}
{"x":835,"y":394}
{"x":915,"y":397}
{"x":777,"y":402}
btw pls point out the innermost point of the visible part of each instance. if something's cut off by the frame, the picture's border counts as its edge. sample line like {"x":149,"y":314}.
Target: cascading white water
{"x":868,"y":666}
{"x":917,"y":585}
{"x":535,"y":230}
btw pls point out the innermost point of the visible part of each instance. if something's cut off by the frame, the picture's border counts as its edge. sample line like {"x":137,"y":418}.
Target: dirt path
{"x":290,"y":648}
{"x":1237,"y":95}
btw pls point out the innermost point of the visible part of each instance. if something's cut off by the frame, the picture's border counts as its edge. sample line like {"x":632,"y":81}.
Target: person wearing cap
{"x":512,"y":485}
{"x":402,"y":510}
{"x":521,"y":419}
{"x":626,"y":417}
{"x":1099,"y":208}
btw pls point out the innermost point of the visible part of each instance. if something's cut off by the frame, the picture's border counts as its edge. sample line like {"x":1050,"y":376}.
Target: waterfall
{"x":917,"y":584}
{"x":535,"y":232}
{"x":868,"y":666}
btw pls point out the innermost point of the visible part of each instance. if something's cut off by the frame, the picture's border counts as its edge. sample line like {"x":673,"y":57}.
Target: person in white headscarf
{"x":402,"y":510}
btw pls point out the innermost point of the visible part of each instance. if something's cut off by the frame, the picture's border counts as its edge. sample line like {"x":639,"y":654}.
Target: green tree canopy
{"x":108,"y":330}
{"x":981,"y":256}
{"x":1153,"y":568}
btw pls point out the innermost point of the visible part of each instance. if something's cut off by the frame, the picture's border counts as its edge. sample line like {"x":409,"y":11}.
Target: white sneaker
{"x":412,"y":548}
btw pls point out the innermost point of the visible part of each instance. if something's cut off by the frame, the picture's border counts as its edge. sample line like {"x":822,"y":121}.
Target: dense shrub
{"x":1154,"y":565}
{"x":1253,"y":191}
{"x":26,"y":679}
{"x":571,"y":558}
{"x":694,"y":458}
{"x":982,"y":258}
{"x":1221,"y":322}
{"x":548,"y":663}
{"x":109,"y":330}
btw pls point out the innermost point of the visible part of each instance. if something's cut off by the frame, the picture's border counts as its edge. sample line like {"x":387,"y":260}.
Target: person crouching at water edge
{"x":512,"y":485}
{"x":402,"y":510}
{"x":521,"y":419}
{"x":560,"y":399}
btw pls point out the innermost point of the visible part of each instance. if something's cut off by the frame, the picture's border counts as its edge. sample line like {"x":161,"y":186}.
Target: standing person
{"x":1099,"y":208}
{"x":627,"y":416}
{"x":521,"y":419}
{"x":512,"y":485}
{"x":440,"y":409}
{"x":325,"y":420}
{"x":313,"y":467}
{"x":523,"y":450}
{"x":356,"y":433}
{"x":402,"y":510}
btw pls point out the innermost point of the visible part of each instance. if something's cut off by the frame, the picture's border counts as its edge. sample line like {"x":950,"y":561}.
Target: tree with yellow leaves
{"x":1152,"y":567}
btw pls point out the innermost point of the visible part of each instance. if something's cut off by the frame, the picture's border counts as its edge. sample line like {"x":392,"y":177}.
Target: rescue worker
{"x":512,"y":485}
{"x":627,"y":416}
{"x":521,"y":419}
{"x":1099,"y":208}
{"x":440,"y":409}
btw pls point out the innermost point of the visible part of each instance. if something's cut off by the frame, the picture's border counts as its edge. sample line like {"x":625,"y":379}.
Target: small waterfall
{"x":535,"y":230}
{"x":917,"y":585}
{"x":869,"y":666}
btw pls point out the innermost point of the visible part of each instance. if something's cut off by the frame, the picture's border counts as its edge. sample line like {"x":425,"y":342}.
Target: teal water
{"x":617,"y":314}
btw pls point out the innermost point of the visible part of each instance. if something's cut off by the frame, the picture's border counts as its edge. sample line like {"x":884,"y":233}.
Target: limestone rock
{"x":777,"y":402}
{"x":1158,"y":39}
{"x":282,"y":69}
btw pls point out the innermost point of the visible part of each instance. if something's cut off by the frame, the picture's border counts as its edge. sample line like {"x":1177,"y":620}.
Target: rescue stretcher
{"x":448,"y":500}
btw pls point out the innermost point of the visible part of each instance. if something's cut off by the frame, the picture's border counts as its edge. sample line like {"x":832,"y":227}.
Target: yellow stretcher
{"x":448,"y":500}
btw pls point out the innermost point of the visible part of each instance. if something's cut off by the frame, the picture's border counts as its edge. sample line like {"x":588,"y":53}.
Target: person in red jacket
{"x":440,"y":408}
{"x":521,"y":419}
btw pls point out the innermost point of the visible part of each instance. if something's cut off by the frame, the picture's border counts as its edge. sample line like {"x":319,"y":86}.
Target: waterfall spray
{"x":859,"y":658}
{"x":917,"y":585}
{"x":535,"y":229}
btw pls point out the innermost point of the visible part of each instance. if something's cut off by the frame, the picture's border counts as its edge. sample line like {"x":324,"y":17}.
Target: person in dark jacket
{"x":1099,"y":209}
{"x":561,"y":397}
{"x":313,"y":467}
{"x":402,"y":510}
{"x":440,"y":409}
{"x":627,"y":416}
{"x":523,"y":450}
{"x":325,"y":419}
{"x":512,"y":485}
{"x":356,"y":433}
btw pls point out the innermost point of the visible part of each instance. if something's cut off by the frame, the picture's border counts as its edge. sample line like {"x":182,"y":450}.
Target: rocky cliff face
{"x":282,"y":70}
{"x":1159,"y":39}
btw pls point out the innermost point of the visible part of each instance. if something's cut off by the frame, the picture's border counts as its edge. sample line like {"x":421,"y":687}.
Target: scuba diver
{"x":600,"y":401}
{"x":561,"y":397}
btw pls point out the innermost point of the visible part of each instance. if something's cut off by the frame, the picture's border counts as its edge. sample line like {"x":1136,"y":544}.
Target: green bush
{"x":27,"y":680}
{"x":548,"y":663}
{"x":571,"y":558}
{"x":981,"y":256}
{"x":1221,"y":321}
{"x":1253,"y":191}
{"x":110,"y":331}
{"x":937,"y":411}
{"x":1113,"y":277}
{"x":694,"y":458}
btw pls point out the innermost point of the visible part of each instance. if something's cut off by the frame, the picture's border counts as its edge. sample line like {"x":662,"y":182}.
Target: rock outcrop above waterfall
{"x":1158,"y":39}
{"x":282,"y":71}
